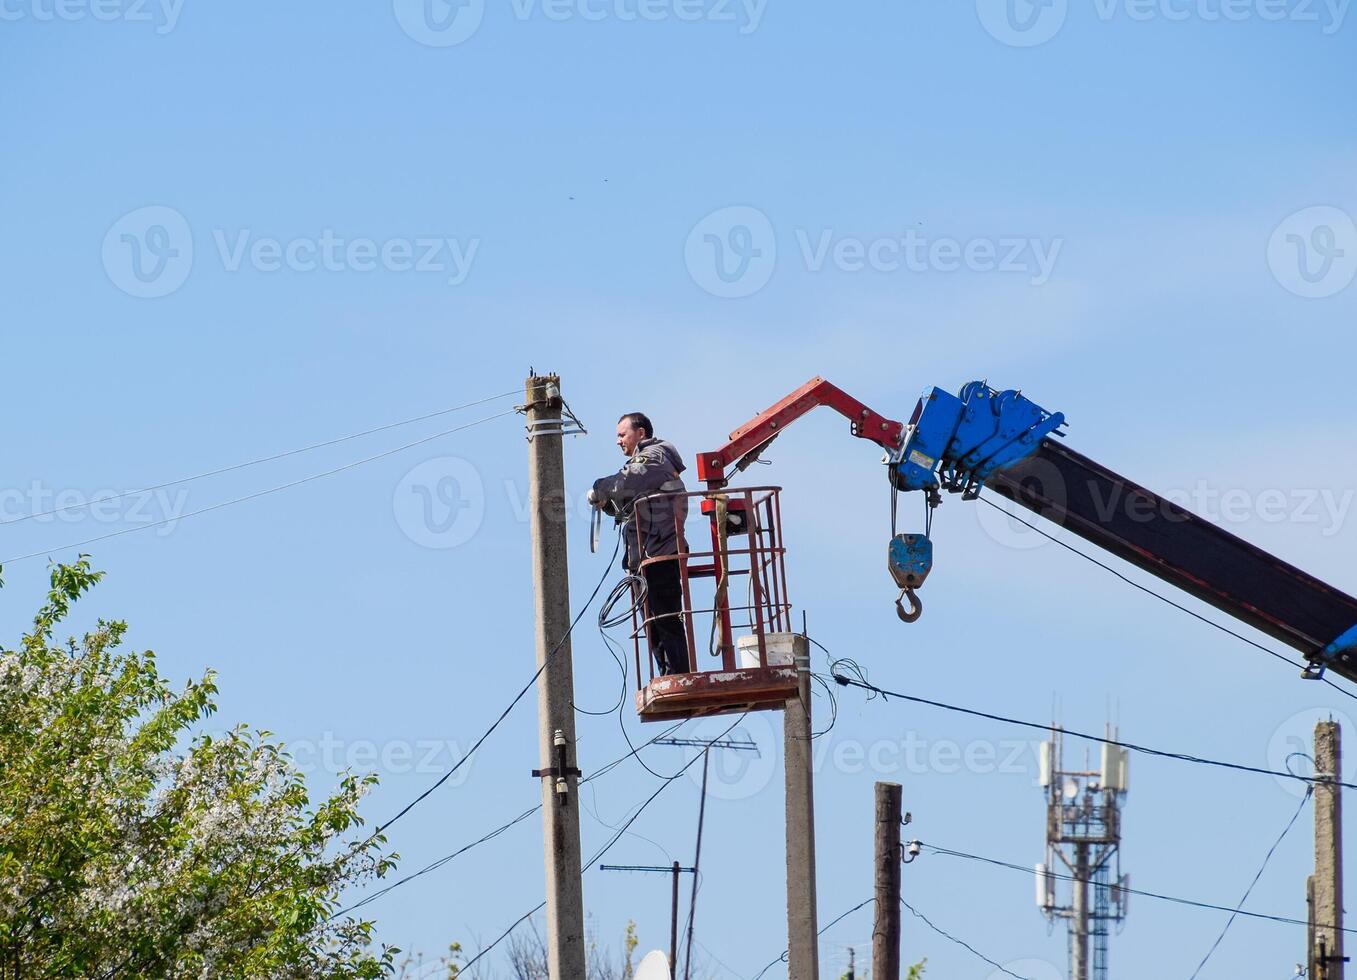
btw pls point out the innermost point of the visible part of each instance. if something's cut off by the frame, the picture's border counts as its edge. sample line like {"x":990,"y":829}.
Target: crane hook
{"x":916,"y":608}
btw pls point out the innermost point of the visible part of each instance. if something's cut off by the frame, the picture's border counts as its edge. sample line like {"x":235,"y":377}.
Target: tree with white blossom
{"x":130,"y":847}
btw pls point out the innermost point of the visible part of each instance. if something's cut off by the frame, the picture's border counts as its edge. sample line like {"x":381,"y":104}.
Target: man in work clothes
{"x":653,"y":522}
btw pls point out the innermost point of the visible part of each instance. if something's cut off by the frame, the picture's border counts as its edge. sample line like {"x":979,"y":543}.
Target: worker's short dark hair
{"x":640,"y":421}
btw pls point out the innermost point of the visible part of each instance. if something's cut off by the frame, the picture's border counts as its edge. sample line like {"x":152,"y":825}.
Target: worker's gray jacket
{"x":634,"y":495}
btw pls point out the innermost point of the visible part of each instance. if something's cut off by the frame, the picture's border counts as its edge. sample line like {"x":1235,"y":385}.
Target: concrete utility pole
{"x":886,"y":929}
{"x":802,"y":923}
{"x":556,"y":686}
{"x":1326,"y":947}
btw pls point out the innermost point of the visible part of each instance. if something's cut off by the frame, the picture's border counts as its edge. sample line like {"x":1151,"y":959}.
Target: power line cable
{"x":1192,"y":903}
{"x":1160,"y":596}
{"x":255,"y":462}
{"x":435,"y":865}
{"x":546,"y":661}
{"x":697,"y":868}
{"x":665,"y":784}
{"x":837,"y":920}
{"x":1309,"y":791}
{"x":960,"y":942}
{"x":259,"y":493}
{"x":848,"y":681}
{"x":369,"y":899}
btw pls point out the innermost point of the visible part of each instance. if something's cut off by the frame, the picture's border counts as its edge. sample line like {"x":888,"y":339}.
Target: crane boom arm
{"x":1185,"y":550}
{"x":755,"y":434}
{"x":982,"y":437}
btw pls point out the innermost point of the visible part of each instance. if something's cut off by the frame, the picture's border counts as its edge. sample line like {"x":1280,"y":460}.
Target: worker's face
{"x":628,"y":437}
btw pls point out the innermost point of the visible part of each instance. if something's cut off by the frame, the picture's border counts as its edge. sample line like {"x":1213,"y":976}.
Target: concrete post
{"x":1328,"y":877}
{"x":555,"y":688}
{"x":802,"y":922}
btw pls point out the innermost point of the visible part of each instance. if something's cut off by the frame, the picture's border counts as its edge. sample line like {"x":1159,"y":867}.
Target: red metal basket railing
{"x":746,"y":561}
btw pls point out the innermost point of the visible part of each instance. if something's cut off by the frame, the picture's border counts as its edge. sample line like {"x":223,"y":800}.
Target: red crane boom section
{"x":767,"y":425}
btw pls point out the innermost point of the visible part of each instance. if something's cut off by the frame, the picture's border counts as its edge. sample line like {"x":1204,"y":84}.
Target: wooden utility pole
{"x":1326,"y":886}
{"x":556,"y":686}
{"x":673,"y":923}
{"x":886,"y":929}
{"x":803,"y":947}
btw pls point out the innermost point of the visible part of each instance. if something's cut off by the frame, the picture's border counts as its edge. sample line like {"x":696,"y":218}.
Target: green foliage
{"x":629,"y":944}
{"x":129,"y":849}
{"x":916,"y":972}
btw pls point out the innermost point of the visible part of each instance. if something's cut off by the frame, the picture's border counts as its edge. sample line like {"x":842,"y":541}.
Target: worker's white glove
{"x":593,"y":497}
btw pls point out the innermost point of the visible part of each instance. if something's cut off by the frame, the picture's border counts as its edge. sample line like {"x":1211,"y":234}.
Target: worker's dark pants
{"x":664,"y":599}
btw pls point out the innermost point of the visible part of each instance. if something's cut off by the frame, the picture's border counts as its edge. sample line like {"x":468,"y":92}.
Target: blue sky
{"x":1144,"y":221}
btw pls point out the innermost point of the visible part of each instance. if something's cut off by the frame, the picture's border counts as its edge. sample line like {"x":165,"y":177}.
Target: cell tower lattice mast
{"x":1083,"y":849}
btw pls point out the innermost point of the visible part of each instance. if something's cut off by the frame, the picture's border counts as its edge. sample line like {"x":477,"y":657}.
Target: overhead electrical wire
{"x":960,"y":942}
{"x":546,"y":661}
{"x":665,"y":784}
{"x":435,"y":865}
{"x":255,"y":462}
{"x":259,"y":493}
{"x":860,"y":682}
{"x":1191,"y":903}
{"x":1309,"y":792}
{"x":1160,"y":596}
{"x":821,"y":932}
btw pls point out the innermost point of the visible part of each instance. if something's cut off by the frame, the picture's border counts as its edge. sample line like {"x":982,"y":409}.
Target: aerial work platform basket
{"x":735,"y":613}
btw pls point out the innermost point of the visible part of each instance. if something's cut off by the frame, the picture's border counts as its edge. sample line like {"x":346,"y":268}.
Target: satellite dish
{"x":1071,"y":789}
{"x":655,"y":966}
